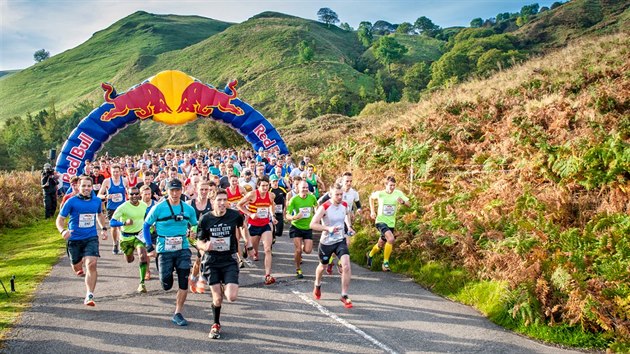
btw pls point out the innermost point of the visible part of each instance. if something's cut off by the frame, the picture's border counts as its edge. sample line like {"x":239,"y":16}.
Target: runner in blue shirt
{"x":84,"y":210}
{"x":172,"y":218}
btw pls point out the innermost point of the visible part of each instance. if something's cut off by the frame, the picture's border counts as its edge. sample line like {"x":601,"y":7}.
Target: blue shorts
{"x":170,"y":261}
{"x":77,"y":249}
{"x":258,"y":230}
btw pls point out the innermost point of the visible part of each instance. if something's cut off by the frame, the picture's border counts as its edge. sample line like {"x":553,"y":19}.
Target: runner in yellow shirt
{"x":388,"y":200}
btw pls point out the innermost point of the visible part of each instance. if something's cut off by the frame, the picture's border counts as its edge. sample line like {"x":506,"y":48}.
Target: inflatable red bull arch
{"x":170,"y":97}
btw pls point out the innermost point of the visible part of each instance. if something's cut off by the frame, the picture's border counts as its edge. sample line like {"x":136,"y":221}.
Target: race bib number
{"x":96,"y":187}
{"x":389,"y":210}
{"x":306,"y":212}
{"x":173,"y":243}
{"x":117,"y":197}
{"x":278,"y":209}
{"x":233,"y":205}
{"x":220,"y":244}
{"x":262,"y":213}
{"x":140,"y":236}
{"x":86,"y":220}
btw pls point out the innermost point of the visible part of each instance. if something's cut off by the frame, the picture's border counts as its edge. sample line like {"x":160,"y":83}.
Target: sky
{"x":59,"y":25}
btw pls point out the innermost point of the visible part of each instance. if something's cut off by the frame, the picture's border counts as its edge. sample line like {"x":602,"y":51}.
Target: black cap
{"x":174,"y":184}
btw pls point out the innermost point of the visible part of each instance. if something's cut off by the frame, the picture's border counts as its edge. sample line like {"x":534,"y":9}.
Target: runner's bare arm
{"x":102,"y":194}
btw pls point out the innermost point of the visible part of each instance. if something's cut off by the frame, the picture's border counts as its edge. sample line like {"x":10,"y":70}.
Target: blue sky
{"x":59,"y":25}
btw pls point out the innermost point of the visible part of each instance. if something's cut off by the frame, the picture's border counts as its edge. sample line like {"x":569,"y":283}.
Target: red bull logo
{"x":145,"y":100}
{"x":76,"y":155}
{"x":260,"y":132}
{"x":202,"y":99}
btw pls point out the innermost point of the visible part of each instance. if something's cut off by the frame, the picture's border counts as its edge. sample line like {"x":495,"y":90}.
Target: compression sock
{"x":388,"y":252}
{"x":216,"y":313}
{"x":374,"y":250}
{"x":143,"y":271}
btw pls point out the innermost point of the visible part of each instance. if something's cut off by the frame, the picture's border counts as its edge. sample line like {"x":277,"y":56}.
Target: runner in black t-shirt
{"x":216,"y":235}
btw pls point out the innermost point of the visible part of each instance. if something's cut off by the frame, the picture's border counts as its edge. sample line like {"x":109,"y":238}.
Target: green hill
{"x":129,"y":44}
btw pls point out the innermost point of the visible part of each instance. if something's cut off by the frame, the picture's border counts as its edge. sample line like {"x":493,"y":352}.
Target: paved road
{"x":391,"y":314}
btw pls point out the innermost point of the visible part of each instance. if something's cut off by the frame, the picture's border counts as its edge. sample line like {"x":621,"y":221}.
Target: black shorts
{"x":77,"y":249}
{"x":383,"y":228}
{"x":110,"y":213}
{"x":325,"y":251}
{"x":304,"y":234}
{"x":220,"y":269}
{"x":258,"y":230}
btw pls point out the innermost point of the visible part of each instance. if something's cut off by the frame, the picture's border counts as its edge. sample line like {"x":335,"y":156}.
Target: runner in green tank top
{"x":300,"y":211}
{"x":388,"y":200}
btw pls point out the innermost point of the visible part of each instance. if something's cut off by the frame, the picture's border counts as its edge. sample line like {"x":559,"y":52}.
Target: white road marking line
{"x":347,"y":324}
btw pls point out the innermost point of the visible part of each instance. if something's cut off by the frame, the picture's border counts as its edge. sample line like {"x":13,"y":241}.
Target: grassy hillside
{"x":6,"y":73}
{"x":129,"y":44}
{"x":263,"y":54}
{"x":573,"y":20}
{"x":520,"y":187}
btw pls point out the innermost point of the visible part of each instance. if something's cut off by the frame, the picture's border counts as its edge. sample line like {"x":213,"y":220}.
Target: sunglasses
{"x":134,"y":193}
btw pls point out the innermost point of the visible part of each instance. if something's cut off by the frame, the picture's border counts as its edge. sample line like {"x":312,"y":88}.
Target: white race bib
{"x":278,"y":209}
{"x":306,"y":212}
{"x":117,"y":197}
{"x":389,"y":210}
{"x":173,"y":243}
{"x":262,"y":213}
{"x":86,"y":220}
{"x":220,"y":244}
{"x":234,"y":206}
{"x":96,"y":187}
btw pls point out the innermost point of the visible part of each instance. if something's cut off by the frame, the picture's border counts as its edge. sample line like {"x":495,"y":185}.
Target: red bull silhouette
{"x":202,"y":99}
{"x":145,"y":100}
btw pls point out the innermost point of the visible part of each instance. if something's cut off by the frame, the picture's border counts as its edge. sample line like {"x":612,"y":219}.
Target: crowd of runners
{"x":203,"y":216}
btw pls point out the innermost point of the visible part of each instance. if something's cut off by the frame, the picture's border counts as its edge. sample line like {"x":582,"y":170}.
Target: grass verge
{"x":494,"y":299}
{"x":28,"y":253}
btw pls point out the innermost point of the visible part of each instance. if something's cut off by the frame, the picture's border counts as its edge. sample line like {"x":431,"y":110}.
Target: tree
{"x":383,"y":27}
{"x":556,"y":4}
{"x":416,"y":79}
{"x":405,"y":28}
{"x":365,"y":33}
{"x":327,"y":16}
{"x":41,"y":55}
{"x":528,"y":10}
{"x":387,"y":50}
{"x":476,"y":22}
{"x":346,"y":27}
{"x":425,"y":26}
{"x":503,"y":16}
{"x":306,"y":52}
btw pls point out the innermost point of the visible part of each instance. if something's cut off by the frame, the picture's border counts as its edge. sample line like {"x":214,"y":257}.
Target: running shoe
{"x":201,"y":286}
{"x":241,"y":264}
{"x":386,"y":267}
{"x":329,"y":268}
{"x":89,"y":300}
{"x":317,"y":292}
{"x":273,"y":242}
{"x":269,"y":279}
{"x":347,"y":303}
{"x":179,"y":320}
{"x":115,"y":250}
{"x":142,"y":288}
{"x":80,"y":273}
{"x":368,"y":261}
{"x":245,"y":252}
{"x":299,"y":274}
{"x":215,"y":331}
{"x":339,"y":268}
